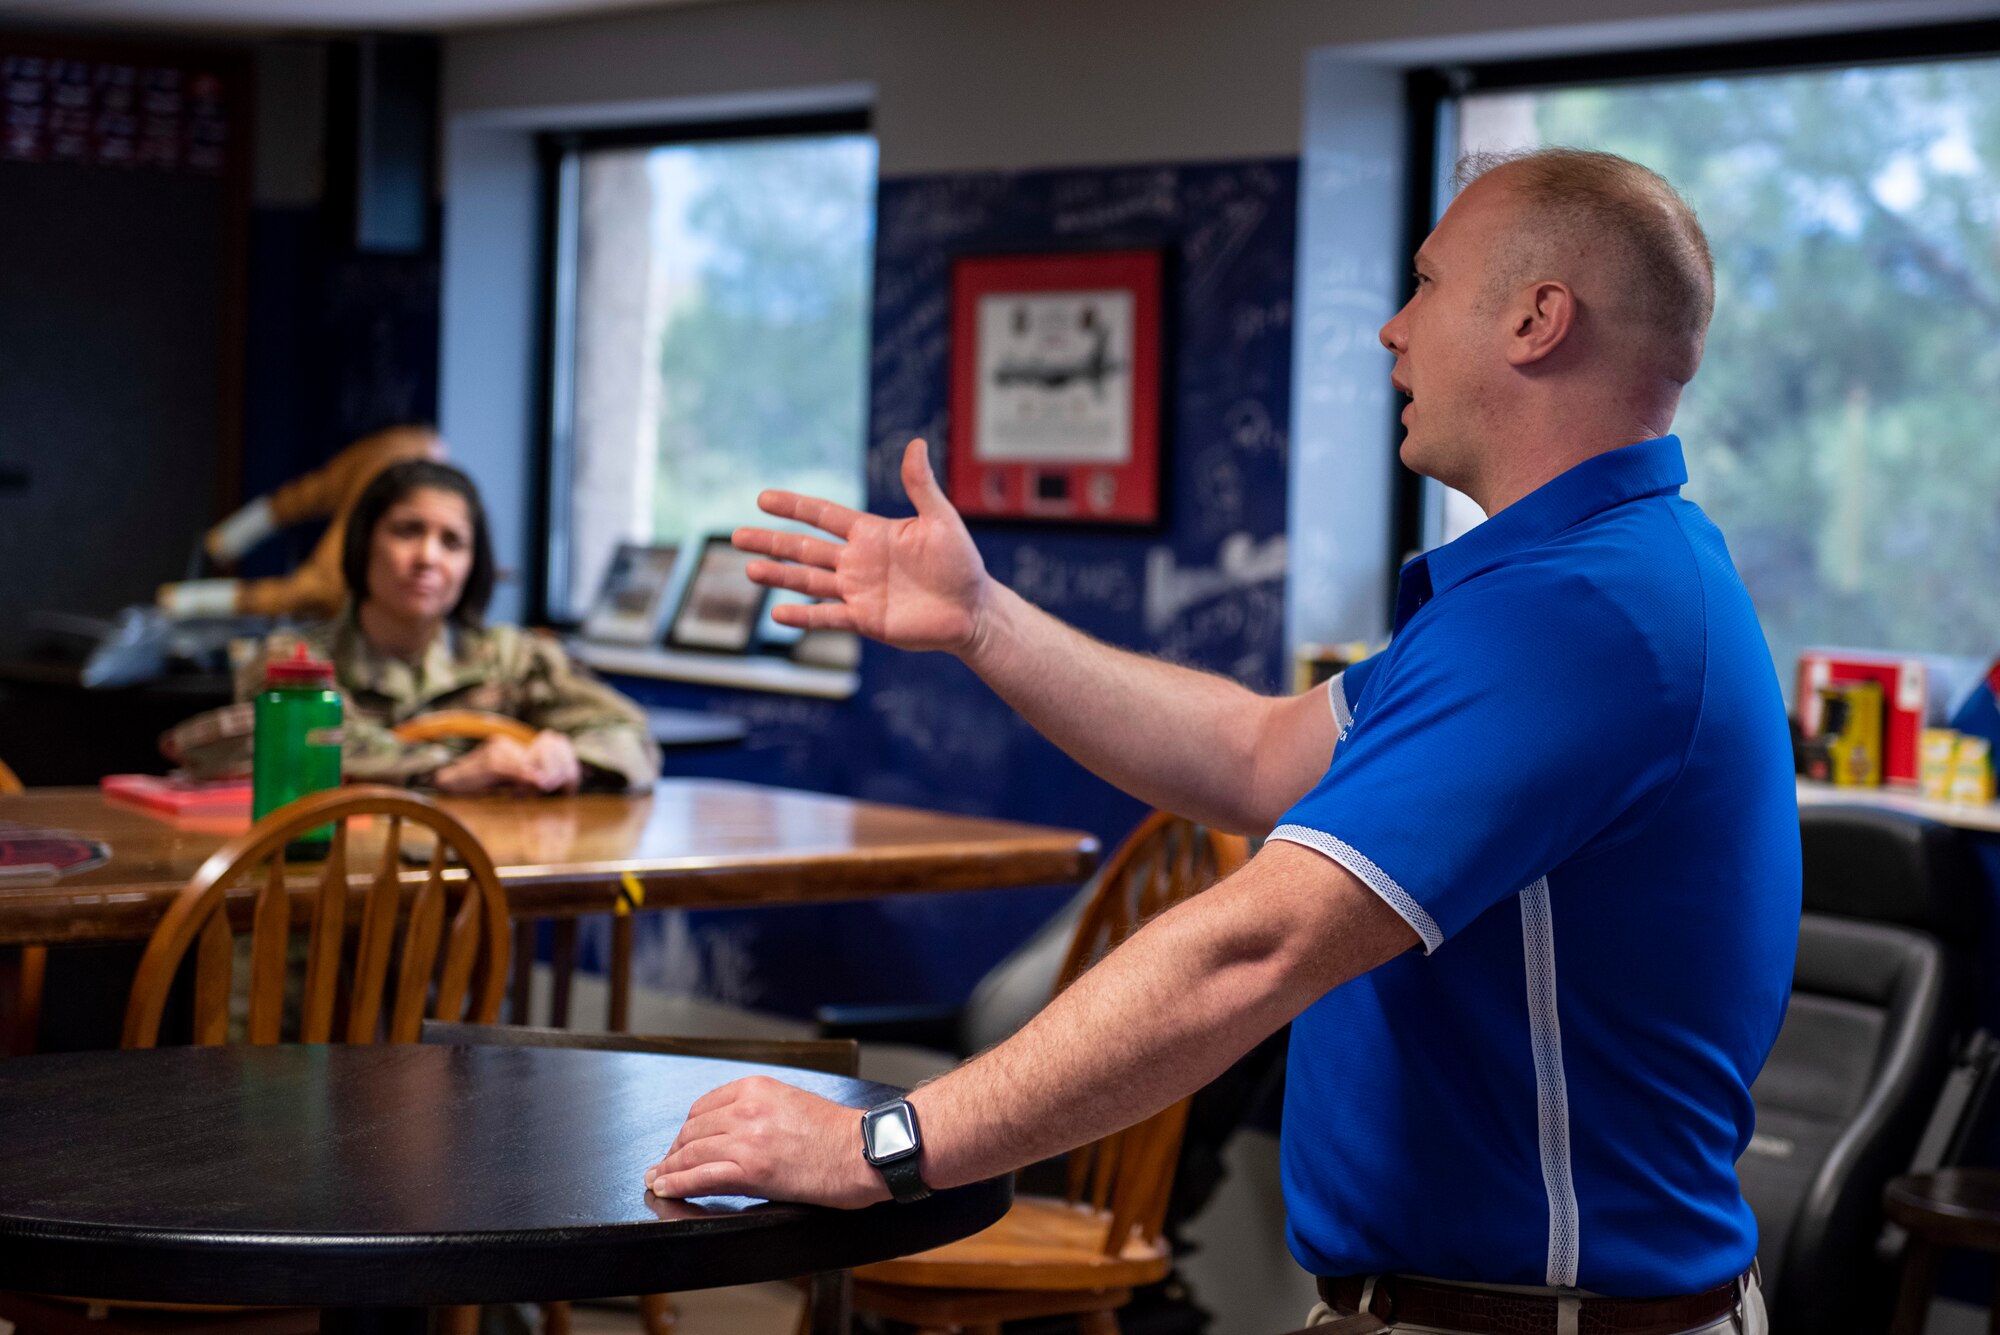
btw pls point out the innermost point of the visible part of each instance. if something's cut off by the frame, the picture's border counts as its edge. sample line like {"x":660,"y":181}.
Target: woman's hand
{"x":548,"y":764}
{"x":913,"y":583}
{"x":553,"y":755}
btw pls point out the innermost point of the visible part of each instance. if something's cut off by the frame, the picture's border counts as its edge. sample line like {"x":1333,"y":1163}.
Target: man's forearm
{"x":1237,"y":962}
{"x":1188,"y":741}
{"x":1157,"y":1019}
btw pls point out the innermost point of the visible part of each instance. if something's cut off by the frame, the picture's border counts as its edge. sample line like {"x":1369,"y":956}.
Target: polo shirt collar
{"x":1649,"y":468}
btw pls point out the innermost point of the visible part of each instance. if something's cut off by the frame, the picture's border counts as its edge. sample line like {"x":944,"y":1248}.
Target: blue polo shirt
{"x":1570,"y":773}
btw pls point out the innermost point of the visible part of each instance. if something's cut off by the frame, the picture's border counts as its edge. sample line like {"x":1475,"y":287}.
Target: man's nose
{"x":1391,"y":334}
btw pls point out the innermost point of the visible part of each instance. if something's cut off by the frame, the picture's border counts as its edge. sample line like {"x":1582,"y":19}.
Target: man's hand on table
{"x":761,"y":1137}
{"x":548,"y":764}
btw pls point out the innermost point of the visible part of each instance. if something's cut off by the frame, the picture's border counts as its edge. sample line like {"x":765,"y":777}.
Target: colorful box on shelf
{"x":1972,"y":771}
{"x":1904,"y":696}
{"x":1958,"y":767}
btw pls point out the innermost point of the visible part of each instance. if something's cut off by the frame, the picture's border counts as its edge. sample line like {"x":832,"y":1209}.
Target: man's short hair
{"x":1582,"y":199}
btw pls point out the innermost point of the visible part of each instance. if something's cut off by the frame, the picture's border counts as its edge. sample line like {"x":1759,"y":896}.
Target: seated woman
{"x":419,"y":570}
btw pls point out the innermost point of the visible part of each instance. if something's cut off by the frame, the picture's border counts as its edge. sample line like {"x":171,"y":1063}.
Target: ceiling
{"x":307,"y":15}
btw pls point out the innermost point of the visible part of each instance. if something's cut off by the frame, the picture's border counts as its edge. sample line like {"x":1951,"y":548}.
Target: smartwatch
{"x":890,"y":1142}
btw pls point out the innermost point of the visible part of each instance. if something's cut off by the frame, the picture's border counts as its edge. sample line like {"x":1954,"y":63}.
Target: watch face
{"x":889,"y":1133}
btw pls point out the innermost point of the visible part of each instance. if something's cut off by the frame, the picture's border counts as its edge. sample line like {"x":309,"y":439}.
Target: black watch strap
{"x":906,"y":1182}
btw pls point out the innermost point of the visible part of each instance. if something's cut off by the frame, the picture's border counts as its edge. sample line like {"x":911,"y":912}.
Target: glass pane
{"x":1837,"y":431}
{"x":721,"y":333}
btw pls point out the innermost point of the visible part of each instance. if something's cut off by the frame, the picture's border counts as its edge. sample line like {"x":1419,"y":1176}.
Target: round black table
{"x":399,"y":1177}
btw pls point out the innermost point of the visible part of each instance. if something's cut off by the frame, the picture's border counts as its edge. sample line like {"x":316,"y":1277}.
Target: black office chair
{"x":1878,"y":1064}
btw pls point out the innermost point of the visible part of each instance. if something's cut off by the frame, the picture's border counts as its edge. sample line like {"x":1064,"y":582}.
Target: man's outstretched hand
{"x":913,"y":583}
{"x":762,"y":1137}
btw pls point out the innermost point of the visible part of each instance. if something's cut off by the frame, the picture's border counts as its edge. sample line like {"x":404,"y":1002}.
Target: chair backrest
{"x":1891,"y":867}
{"x":452,"y":724}
{"x":1878,"y":994}
{"x":830,"y":1056}
{"x":34,"y":961}
{"x":451,"y":958}
{"x":1130,"y":1173}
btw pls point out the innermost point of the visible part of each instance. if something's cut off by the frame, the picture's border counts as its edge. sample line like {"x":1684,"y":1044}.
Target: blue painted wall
{"x":340,"y":344}
{"x":923,"y":730}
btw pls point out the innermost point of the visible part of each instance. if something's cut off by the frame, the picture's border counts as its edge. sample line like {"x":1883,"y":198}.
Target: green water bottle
{"x":296,"y":741}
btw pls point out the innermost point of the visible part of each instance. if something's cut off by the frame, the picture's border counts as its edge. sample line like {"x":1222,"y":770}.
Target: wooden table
{"x":693,"y":843}
{"x":1953,"y":1207}
{"x":396,"y":1178}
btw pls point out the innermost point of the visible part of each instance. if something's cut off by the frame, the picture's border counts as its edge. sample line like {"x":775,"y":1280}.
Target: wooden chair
{"x":473,"y":937}
{"x":1081,"y":1254}
{"x":827,"y":1299}
{"x":456,"y":724}
{"x":478,"y":725}
{"x":32,"y":967}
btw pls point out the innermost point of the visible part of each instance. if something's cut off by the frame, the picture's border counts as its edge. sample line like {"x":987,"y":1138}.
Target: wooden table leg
{"x":562,"y":964}
{"x":830,"y":1302}
{"x":1913,"y":1301}
{"x":620,"y":1018}
{"x":28,"y":1014}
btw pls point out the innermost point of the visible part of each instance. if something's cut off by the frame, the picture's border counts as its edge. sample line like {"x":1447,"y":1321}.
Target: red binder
{"x":180,"y":797}
{"x":1904,"y":696}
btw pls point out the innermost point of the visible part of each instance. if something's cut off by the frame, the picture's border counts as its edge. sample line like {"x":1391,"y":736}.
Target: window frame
{"x":558,"y":154}
{"x":1431,"y":95}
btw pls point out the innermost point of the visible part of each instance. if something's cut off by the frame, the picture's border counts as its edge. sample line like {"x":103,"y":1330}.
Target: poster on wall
{"x":1055,"y":387}
{"x":111,"y":114}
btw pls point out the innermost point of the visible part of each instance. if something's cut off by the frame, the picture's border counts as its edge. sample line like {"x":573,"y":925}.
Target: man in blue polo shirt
{"x":1531,"y":890}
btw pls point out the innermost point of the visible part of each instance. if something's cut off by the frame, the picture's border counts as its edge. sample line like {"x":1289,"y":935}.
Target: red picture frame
{"x":1055,"y":387}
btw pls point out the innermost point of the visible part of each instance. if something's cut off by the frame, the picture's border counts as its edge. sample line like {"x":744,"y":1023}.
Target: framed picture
{"x":632,"y":601}
{"x":720,"y":607}
{"x":1055,"y":386}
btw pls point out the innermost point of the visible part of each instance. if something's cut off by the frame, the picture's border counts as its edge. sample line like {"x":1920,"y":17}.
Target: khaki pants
{"x":1748,"y":1319}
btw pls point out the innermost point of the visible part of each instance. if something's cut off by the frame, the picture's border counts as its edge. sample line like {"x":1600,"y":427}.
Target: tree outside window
{"x":1839,"y":430}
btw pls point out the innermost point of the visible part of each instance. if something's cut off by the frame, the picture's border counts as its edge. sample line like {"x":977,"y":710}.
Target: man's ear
{"x":1538,"y":320}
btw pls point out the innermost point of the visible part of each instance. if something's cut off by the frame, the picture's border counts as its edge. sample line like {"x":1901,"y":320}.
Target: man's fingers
{"x":799,"y":579}
{"x":834,"y":519}
{"x":717,"y":1122}
{"x":920,"y":482}
{"x":700,"y":1141}
{"x":718,"y":1178}
{"x":803,"y":548}
{"x":719,"y":1097}
{"x":815,"y":616}
{"x":800,"y":547}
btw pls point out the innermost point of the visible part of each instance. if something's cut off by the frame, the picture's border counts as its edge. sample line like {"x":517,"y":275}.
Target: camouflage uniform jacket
{"x":501,"y":669}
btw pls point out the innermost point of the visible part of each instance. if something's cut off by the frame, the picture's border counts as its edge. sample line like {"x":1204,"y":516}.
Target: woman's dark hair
{"x":391,"y":486}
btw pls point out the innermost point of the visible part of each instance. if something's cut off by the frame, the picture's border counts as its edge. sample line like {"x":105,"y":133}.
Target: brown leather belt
{"x":1417,"y":1302}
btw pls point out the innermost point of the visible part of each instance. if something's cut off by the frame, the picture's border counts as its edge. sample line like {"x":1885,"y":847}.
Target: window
{"x":1840,"y":428}
{"x":710,"y":301}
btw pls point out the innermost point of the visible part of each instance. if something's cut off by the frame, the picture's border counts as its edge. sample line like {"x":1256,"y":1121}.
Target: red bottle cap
{"x":301,"y":669}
